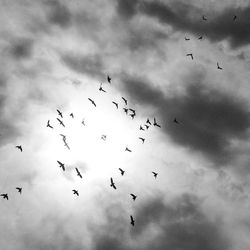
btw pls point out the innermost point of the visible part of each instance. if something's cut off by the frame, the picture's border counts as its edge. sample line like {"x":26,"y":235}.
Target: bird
{"x":200,"y":38}
{"x":19,"y":189}
{"x":83,"y":122}
{"x":72,"y":115}
{"x":20,"y":148}
{"x":127,"y":149}
{"x":141,"y":128}
{"x":156,"y":124}
{"x":78,"y":173}
{"x":59,"y":113}
{"x":133,"y":196}
{"x":148,"y":121}
{"x":116,"y":104}
{"x":63,"y":137}
{"x":5,"y":196}
{"x":132,"y":221}
{"x":147,"y":127}
{"x":48,"y":124}
{"x":204,"y":18}
{"x":92,"y":102}
{"x":126,"y":101}
{"x":104,"y":137}
{"x":234,"y":18}
{"x":132,"y":115}
{"x":109,"y":78}
{"x":61,"y":165}
{"x":101,"y":89}
{"x":155,"y":174}
{"x":218,"y":66}
{"x":142,"y":139}
{"x":175,"y":121}
{"x":61,"y":122}
{"x":122,"y":171}
{"x":112,"y":183}
{"x":132,"y":110}
{"x":191,"y":55}
{"x":187,"y":39}
{"x":75,"y":192}
{"x":125,"y":110}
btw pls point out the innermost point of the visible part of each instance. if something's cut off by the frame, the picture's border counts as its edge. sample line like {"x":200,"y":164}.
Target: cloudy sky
{"x":55,"y":54}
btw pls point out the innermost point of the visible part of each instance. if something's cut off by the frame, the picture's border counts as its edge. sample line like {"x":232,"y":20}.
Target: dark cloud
{"x":126,"y":8}
{"x":209,"y":119}
{"x":183,"y":17}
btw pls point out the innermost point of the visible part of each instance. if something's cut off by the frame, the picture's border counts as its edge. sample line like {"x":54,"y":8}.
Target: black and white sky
{"x":55,"y":54}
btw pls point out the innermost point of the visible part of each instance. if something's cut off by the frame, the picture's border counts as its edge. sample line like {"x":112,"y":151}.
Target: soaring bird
{"x":78,"y":173}
{"x":142,"y":139}
{"x":83,"y":122}
{"x":19,"y":189}
{"x":132,"y":115}
{"x":59,"y":113}
{"x":127,"y":149}
{"x":234,"y":18}
{"x":200,"y":38}
{"x":175,"y":121}
{"x":132,"y":221}
{"x":112,"y":183}
{"x":5,"y":196}
{"x":125,"y":110}
{"x":20,"y":148}
{"x":109,"y":79}
{"x":116,"y":104}
{"x":147,"y":127}
{"x":155,"y":174}
{"x":148,"y":121}
{"x":125,"y":100}
{"x":48,"y":124}
{"x":122,"y":171}
{"x":204,"y":18}
{"x":191,"y":55}
{"x":133,"y":196}
{"x":141,"y":128}
{"x":92,"y":102}
{"x":61,"y":165}
{"x":156,"y":124}
{"x":72,"y":115}
{"x":187,"y":39}
{"x":104,"y":137}
{"x":218,"y":66}
{"x":61,"y":122}
{"x":132,"y":110}
{"x":101,"y":89}
{"x":75,"y":192}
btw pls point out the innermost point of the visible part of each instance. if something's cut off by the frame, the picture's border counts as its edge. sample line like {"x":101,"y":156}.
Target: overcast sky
{"x":55,"y":54}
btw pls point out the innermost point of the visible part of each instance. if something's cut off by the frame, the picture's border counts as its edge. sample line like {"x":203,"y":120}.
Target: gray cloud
{"x":21,"y":48}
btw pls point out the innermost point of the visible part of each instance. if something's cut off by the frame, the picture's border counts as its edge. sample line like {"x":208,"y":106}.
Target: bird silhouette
{"x":92,"y":102}
{"x":125,"y":110}
{"x":5,"y":196}
{"x":147,"y":127}
{"x":19,"y":189}
{"x":204,"y":18}
{"x":191,"y":55}
{"x":75,"y":192}
{"x":148,"y":121}
{"x":112,"y":183}
{"x":200,"y":38}
{"x":156,"y":124}
{"x":101,"y":89}
{"x":187,"y":39}
{"x":133,"y":196}
{"x":132,"y":115}
{"x":61,"y":122}
{"x":127,"y":149}
{"x":59,"y":113}
{"x":61,"y":165}
{"x":83,"y":122}
{"x":132,"y":110}
{"x":125,"y":100}
{"x":109,"y":79}
{"x":48,"y":124}
{"x":104,"y":137}
{"x":20,"y":148}
{"x":116,"y":104}
{"x":72,"y":115}
{"x":141,"y":128}
{"x":218,"y":66}
{"x":142,"y":139}
{"x":155,"y":174}
{"x":175,"y":121}
{"x":132,"y":221}
{"x":234,"y":18}
{"x":122,"y":171}
{"x":78,"y":173}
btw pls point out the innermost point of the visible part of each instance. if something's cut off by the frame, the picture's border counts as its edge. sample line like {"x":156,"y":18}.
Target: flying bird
{"x":92,"y":102}
{"x":83,"y":122}
{"x":116,"y":104}
{"x":125,"y":100}
{"x":132,"y":110}
{"x":175,"y":121}
{"x":63,"y":137}
{"x":20,"y":148}
{"x":122,"y":171}
{"x":148,"y":121}
{"x":112,"y":183}
{"x":19,"y":189}
{"x":141,"y":128}
{"x":61,"y":165}
{"x":75,"y":192}
{"x":156,"y":124}
{"x":234,"y":18}
{"x":132,"y":115}
{"x":61,"y":122}
{"x":125,"y":110}
{"x":48,"y":124}
{"x":127,"y":149}
{"x":59,"y":113}
{"x":5,"y":196}
{"x":72,"y":115}
{"x":218,"y":66}
{"x":101,"y":89}
{"x":191,"y":55}
{"x":147,"y":127}
{"x":187,"y":39}
{"x":155,"y":174}
{"x":78,"y":173}
{"x":109,"y":79}
{"x":133,"y":196}
{"x":204,"y":18}
{"x":200,"y":38}
{"x":104,"y":137}
{"x":142,"y":139}
{"x":132,"y":221}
